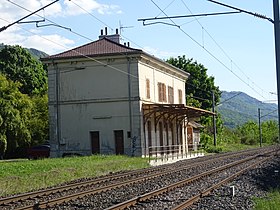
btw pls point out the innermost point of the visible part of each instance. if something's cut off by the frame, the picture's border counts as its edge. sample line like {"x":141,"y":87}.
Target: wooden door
{"x":119,"y":144}
{"x":190,"y":137}
{"x":95,"y":144}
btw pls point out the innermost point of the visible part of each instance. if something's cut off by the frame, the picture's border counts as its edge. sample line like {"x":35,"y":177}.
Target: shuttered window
{"x":180,"y":96}
{"x":161,"y":92}
{"x":148,"y":95}
{"x":170,"y":95}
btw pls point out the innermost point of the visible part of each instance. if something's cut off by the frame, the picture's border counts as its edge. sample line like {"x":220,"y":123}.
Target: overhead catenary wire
{"x":76,"y":33}
{"x":220,"y":47}
{"x":71,"y":31}
{"x":112,"y":28}
{"x":78,"y":53}
{"x":210,"y":53}
{"x":89,"y":13}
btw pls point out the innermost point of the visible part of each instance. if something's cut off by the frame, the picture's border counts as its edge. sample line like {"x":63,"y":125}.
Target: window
{"x":170,"y":95}
{"x":148,"y":89}
{"x":180,"y":96}
{"x":161,"y":92}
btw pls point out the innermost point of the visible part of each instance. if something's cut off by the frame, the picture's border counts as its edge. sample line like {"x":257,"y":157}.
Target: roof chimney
{"x":113,"y":37}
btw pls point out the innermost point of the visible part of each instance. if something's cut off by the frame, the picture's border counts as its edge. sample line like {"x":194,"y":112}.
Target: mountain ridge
{"x":237,"y":108}
{"x":34,"y":52}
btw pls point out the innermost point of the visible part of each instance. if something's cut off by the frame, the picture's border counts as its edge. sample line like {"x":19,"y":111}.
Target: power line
{"x":50,"y":21}
{"x":219,"y":46}
{"x":244,"y":11}
{"x":32,"y":13}
{"x":89,"y":13}
{"x":211,"y":54}
{"x":78,"y":53}
{"x":269,"y":113}
{"x":229,"y":98}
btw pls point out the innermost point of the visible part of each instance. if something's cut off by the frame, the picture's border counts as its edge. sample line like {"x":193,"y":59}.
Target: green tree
{"x":15,"y":112}
{"x":17,"y":64}
{"x":199,"y":88}
{"x":249,"y":133}
{"x":269,"y":132}
{"x":199,"y":85}
{"x":39,"y":123}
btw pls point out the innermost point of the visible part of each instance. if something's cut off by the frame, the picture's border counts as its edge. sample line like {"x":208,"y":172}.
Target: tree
{"x":199,"y":85}
{"x":199,"y":88}
{"x":15,"y":112}
{"x":270,"y":132}
{"x":249,"y":133}
{"x":17,"y":64}
{"x":39,"y":122}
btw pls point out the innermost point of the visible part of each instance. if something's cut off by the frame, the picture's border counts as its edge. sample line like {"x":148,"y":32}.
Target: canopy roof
{"x":172,"y":111}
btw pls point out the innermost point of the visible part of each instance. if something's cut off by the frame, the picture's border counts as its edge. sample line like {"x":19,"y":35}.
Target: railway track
{"x":56,"y":196}
{"x":159,"y":195}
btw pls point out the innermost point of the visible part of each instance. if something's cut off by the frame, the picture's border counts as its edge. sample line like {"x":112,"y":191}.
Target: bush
{"x":214,"y":149}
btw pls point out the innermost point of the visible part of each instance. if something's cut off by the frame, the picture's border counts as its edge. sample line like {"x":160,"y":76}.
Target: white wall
{"x":155,"y":75}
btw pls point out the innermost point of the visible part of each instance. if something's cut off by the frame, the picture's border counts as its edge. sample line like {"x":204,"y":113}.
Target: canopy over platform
{"x":172,"y":111}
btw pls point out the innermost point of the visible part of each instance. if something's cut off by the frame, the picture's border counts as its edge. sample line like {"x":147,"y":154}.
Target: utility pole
{"x":214,"y":118}
{"x":277,"y":54}
{"x":260,"y":128}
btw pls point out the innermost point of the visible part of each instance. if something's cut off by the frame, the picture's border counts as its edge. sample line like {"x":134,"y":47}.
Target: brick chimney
{"x":112,"y":37}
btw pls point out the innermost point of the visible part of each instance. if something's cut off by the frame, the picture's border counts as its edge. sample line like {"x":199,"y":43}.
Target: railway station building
{"x":109,"y":98}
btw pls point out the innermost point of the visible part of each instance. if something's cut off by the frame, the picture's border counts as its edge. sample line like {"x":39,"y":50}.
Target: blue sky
{"x":237,"y":49}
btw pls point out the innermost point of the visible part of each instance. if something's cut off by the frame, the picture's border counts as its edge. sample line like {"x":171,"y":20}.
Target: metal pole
{"x":260,"y":128}
{"x":277,"y":54}
{"x":214,"y":119}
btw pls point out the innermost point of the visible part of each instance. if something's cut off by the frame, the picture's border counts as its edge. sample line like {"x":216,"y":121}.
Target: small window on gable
{"x":148,"y":95}
{"x":180,"y":96}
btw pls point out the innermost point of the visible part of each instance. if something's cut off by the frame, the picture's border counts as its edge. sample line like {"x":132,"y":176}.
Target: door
{"x":119,"y":145}
{"x":95,"y":144}
{"x":190,"y":137}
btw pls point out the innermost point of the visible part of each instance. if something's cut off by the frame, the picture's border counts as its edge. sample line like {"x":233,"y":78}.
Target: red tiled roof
{"x":100,"y":47}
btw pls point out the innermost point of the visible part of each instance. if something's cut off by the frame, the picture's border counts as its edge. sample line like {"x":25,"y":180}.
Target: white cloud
{"x":14,"y":10}
{"x":160,"y":53}
{"x":77,"y":7}
{"x":50,"y":44}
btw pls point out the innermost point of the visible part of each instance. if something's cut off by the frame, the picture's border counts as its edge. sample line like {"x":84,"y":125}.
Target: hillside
{"x":36,"y":53}
{"x":236,"y":108}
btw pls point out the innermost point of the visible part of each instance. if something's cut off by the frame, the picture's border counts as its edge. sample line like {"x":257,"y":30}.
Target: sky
{"x":237,"y":49}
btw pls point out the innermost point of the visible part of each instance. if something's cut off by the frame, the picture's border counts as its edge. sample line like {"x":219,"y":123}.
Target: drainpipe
{"x":57,"y":108}
{"x":129,"y":105}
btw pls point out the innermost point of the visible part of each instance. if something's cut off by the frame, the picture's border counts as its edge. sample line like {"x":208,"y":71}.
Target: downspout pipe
{"x":129,"y":104}
{"x":57,"y":107}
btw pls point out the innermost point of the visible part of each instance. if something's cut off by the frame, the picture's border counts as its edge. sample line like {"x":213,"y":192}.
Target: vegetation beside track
{"x":271,"y":202}
{"x":24,"y":175}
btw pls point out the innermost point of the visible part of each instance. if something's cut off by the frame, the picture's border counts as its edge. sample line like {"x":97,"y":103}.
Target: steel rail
{"x":184,"y":182}
{"x":197,"y":197}
{"x":36,"y":194}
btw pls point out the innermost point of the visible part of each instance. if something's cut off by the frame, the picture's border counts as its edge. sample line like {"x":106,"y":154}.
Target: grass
{"x":24,"y":175}
{"x":271,"y":202}
{"x":236,"y":147}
